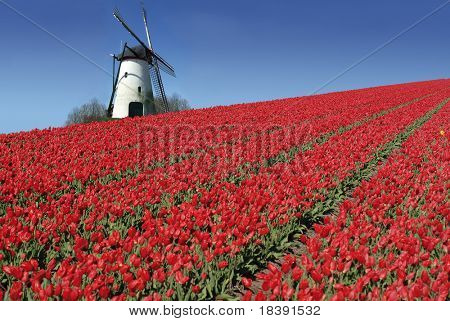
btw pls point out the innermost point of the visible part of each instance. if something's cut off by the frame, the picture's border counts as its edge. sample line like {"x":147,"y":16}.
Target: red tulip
{"x":297,"y":273}
{"x":180,"y":278}
{"x":16,"y":291}
{"x":14,"y":271}
{"x":104,"y":292}
{"x":247,"y":296}
{"x":246,"y":282}
{"x":169,"y":293}
{"x":260,"y":297}
{"x":222,"y":264}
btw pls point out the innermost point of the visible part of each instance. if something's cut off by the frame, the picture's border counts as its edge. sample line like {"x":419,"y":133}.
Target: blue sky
{"x":224,"y":52}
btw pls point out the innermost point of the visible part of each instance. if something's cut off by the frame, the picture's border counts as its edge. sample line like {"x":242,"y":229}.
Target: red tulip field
{"x":340,"y":196}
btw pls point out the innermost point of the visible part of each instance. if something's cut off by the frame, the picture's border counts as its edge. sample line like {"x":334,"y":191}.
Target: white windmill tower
{"x":139,"y":67}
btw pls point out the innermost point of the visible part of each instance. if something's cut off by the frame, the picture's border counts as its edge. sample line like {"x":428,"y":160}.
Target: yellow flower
{"x":442,"y":132}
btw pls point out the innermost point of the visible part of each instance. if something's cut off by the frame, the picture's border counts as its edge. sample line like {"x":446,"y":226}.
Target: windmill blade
{"x":165,"y":69}
{"x":117,"y":15}
{"x":161,"y":62}
{"x":144,"y":14}
{"x":158,"y":93}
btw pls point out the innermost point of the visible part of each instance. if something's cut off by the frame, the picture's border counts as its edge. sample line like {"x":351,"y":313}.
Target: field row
{"x":42,"y":163}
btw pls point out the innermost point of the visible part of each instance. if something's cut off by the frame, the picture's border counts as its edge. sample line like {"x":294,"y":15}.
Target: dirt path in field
{"x":297,"y":250}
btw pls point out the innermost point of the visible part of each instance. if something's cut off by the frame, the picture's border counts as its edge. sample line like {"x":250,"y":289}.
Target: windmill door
{"x":135,"y":109}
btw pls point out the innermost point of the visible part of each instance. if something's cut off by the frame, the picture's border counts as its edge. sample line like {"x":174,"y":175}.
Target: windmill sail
{"x":144,"y":14}
{"x":163,"y":65}
{"x":119,"y":18}
{"x":158,"y":92}
{"x":164,"y":68}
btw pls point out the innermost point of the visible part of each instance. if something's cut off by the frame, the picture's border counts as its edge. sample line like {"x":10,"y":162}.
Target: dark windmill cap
{"x":136,"y":52}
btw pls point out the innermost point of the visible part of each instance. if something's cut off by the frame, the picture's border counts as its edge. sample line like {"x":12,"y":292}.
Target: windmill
{"x":139,"y":68}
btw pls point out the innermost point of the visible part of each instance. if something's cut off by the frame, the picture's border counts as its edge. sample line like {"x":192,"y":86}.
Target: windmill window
{"x":139,"y":89}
